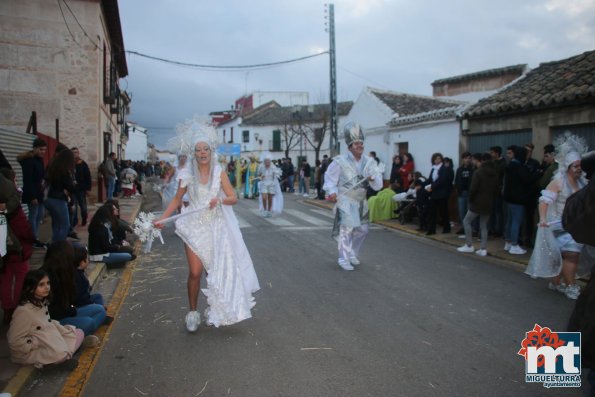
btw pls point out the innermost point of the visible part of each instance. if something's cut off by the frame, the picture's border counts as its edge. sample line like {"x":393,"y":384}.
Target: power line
{"x":225,"y":67}
{"x":77,"y":21}
{"x":66,"y":23}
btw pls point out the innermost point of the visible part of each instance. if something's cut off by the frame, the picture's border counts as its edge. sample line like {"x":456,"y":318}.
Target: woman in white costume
{"x":212,"y":238}
{"x":556,"y":254}
{"x":269,"y":188}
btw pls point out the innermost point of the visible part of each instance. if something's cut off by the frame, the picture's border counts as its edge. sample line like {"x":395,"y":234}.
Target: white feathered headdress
{"x":569,"y":148}
{"x":192,"y":131}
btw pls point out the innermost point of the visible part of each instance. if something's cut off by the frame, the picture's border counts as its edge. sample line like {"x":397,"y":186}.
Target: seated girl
{"x":58,"y":263}
{"x":103,"y":245}
{"x":33,"y":337}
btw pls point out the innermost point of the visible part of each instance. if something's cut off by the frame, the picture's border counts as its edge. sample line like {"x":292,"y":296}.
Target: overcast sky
{"x":397,"y":45}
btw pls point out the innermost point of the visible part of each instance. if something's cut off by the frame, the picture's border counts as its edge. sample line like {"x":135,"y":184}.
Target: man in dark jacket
{"x":462,"y":183}
{"x":33,"y":185}
{"x":583,"y":316}
{"x":482,"y":192}
{"x":516,"y":193}
{"x":496,"y":225}
{"x":82,"y":174}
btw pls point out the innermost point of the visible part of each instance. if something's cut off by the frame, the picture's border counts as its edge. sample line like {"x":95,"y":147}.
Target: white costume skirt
{"x":215,"y":237}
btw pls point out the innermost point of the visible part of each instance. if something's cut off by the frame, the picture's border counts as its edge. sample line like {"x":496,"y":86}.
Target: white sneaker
{"x":507,"y":246}
{"x":465,"y":248}
{"x":572,"y":291}
{"x":306,"y":195}
{"x":192,"y":321}
{"x":557,"y":287}
{"x":517,"y":250}
{"x":481,"y":252}
{"x":354,"y":261}
{"x":345,"y":265}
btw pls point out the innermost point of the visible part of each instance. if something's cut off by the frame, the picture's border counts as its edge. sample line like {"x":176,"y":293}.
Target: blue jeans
{"x":302,"y":186}
{"x":80,"y":200}
{"x":35,"y":217}
{"x":463,"y":205}
{"x":514,"y":219}
{"x":88,"y":318}
{"x":97,"y":299}
{"x":116,"y":257}
{"x":290,"y":180}
{"x":58,"y":210}
{"x":111,"y":185}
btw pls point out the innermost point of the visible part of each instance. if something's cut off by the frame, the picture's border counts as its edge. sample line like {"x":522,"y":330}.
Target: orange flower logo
{"x":538,"y":337}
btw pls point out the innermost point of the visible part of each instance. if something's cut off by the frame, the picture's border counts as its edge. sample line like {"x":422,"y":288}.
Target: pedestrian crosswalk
{"x":290,"y":219}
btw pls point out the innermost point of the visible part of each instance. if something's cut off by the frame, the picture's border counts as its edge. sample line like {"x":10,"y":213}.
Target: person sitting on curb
{"x":103,"y":246}
{"x":58,"y":263}
{"x":122,"y":227}
{"x":83,"y":295}
{"x":34,"y":338}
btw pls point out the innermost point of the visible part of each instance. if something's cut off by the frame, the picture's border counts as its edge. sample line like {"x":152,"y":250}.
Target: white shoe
{"x":572,"y":291}
{"x":91,"y":341}
{"x":306,"y":195}
{"x":557,"y":287}
{"x":354,"y":261}
{"x":517,"y":250}
{"x":507,"y":246}
{"x":192,"y":321}
{"x":345,"y":265}
{"x":481,"y":252}
{"x":465,"y":248}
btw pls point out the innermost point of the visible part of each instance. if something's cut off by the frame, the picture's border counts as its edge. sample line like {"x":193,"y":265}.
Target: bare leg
{"x":270,"y":201}
{"x":264,"y":201}
{"x":194,"y":273}
{"x":569,"y":265}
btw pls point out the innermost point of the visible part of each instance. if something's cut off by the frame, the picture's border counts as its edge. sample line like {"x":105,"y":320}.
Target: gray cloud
{"x":397,"y":45}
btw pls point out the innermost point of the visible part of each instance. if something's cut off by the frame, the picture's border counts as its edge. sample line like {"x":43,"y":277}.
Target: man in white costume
{"x":345,"y":182}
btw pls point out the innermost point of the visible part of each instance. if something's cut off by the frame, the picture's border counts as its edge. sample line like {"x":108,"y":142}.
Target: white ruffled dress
{"x":214,"y":236}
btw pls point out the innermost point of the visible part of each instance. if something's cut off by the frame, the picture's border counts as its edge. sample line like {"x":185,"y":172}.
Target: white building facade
{"x":137,"y":148}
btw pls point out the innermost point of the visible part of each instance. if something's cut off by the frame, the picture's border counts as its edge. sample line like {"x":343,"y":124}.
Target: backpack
{"x":579,"y":215}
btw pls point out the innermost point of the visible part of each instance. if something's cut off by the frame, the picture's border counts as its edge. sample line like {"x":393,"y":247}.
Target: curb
{"x":25,"y":373}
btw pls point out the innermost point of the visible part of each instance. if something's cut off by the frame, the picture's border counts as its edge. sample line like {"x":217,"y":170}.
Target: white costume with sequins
{"x":214,"y":236}
{"x":351,"y":210}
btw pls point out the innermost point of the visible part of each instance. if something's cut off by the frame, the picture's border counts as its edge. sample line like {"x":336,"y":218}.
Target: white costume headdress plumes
{"x":192,"y":131}
{"x":569,"y":148}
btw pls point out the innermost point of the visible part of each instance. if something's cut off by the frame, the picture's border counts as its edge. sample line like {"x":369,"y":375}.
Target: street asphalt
{"x":416,"y":318}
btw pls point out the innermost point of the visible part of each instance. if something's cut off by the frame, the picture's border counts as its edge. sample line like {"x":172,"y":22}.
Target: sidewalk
{"x":495,"y":246}
{"x":13,"y":376}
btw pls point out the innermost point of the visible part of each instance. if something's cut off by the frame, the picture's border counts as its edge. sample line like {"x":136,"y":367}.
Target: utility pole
{"x":333,"y":147}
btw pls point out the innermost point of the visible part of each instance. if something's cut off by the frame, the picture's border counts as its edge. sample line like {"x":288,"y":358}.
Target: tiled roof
{"x":408,"y":104}
{"x":287,"y":115}
{"x":483,"y":73}
{"x":433,"y":115}
{"x":551,"y":84}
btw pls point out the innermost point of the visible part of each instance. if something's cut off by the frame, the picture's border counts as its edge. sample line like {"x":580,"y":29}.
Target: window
{"x":246,"y":136}
{"x":276,"y":141}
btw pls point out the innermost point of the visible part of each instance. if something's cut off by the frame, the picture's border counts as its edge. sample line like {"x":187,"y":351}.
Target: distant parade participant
{"x":251,"y":186}
{"x":270,"y":190}
{"x":345,"y":182}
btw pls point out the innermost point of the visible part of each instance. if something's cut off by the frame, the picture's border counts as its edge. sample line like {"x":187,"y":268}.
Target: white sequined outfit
{"x":214,"y":236}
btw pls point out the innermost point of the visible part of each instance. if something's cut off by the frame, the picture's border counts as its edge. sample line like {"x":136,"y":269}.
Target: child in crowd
{"x":58,"y":263}
{"x":83,"y":294}
{"x":33,"y":337}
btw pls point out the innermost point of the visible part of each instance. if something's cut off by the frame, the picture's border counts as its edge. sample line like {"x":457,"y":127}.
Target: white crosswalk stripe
{"x":325,"y":213}
{"x":307,"y":218}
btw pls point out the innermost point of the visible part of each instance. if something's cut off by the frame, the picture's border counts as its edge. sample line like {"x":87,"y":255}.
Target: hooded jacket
{"x":33,"y":176}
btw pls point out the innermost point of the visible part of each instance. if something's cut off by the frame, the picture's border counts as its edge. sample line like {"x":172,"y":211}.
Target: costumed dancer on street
{"x":211,"y":236}
{"x":345,"y":182}
{"x":556,"y":253}
{"x":251,"y":187}
{"x":269,"y":187}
